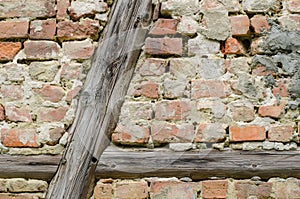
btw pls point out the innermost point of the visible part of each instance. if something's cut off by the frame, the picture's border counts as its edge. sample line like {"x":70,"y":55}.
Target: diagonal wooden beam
{"x":116,"y":163}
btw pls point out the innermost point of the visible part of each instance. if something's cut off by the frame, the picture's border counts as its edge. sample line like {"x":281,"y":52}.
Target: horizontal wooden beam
{"x":116,"y":163}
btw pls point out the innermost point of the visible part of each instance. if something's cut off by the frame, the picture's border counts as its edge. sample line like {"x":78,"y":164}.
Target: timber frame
{"x":122,"y":164}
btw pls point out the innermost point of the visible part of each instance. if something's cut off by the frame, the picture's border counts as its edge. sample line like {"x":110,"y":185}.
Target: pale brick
{"x":51,"y":114}
{"x":131,"y":189}
{"x":179,"y":8}
{"x":172,"y":110}
{"x":293,"y":6}
{"x":42,"y":29}
{"x":55,"y":134}
{"x":188,"y":26}
{"x":103,"y":191}
{"x":51,"y":93}
{"x":14,"y":29}
{"x":78,"y":49}
{"x":15,"y":114}
{"x":281,"y":133}
{"x":242,"y":111}
{"x":20,"y":185}
{"x":258,"y":6}
{"x":18,"y":196}
{"x":43,"y":71}
{"x":229,"y":5}
{"x":153,"y":67}
{"x":240,"y":25}
{"x":62,"y":7}
{"x":12,"y":92}
{"x":246,"y":189}
{"x":210,"y":132}
{"x":202,"y":46}
{"x":15,"y":72}
{"x":209,"y":88}
{"x":82,"y":8}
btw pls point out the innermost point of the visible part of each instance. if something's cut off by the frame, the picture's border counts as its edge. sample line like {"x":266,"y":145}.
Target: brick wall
{"x":212,"y":74}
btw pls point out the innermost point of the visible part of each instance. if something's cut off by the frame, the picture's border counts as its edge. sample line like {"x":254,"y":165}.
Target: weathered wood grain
{"x":137,"y":164}
{"x":101,"y":98}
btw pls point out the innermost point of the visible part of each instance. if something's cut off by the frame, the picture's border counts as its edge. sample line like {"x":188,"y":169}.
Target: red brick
{"x":73,"y":93}
{"x":18,"y":196}
{"x":164,"y":132}
{"x":131,"y":134}
{"x":62,"y":7}
{"x":149,"y":89}
{"x":19,"y":138}
{"x":27,"y":8}
{"x":51,"y":93}
{"x":247,"y":133}
{"x":164,"y":27}
{"x":293,"y":5}
{"x":41,"y":50}
{"x":103,"y":191}
{"x":153,"y":67}
{"x":42,"y":29}
{"x":281,"y":89}
{"x":8,"y":50}
{"x":69,"y":30}
{"x":210,"y":132}
{"x":172,"y":110}
{"x":282,"y":133}
{"x":131,"y":189}
{"x":233,"y":46}
{"x":164,"y":46}
{"x":55,"y":134}
{"x":51,"y":114}
{"x":214,"y":188}
{"x":13,"y":29}
{"x":259,"y":24}
{"x":245,"y":189}
{"x":12,"y":92}
{"x":2,"y":112}
{"x":240,"y":25}
{"x":171,"y":189}
{"x":256,"y":46}
{"x":15,"y":114}
{"x":78,"y":49}
{"x":209,"y":88}
{"x":79,"y":9}
{"x":261,"y":71}
{"x":274,"y":111}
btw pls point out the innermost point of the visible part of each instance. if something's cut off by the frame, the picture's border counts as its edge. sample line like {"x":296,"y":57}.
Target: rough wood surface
{"x":101,"y":98}
{"x":137,"y":164}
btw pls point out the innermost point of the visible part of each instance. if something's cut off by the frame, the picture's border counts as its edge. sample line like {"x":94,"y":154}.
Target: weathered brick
{"x":15,"y":72}
{"x":240,"y":25}
{"x":163,"y":46}
{"x":8,"y":50}
{"x":18,"y":196}
{"x":202,"y":46}
{"x":230,"y":5}
{"x":55,"y":134}
{"x":242,"y":111}
{"x":131,"y":189}
{"x":51,"y":114}
{"x":209,"y":88}
{"x":103,"y":191}
{"x":164,"y":132}
{"x":164,"y":27}
{"x":281,"y":89}
{"x":41,"y":50}
{"x":259,"y":24}
{"x":42,"y":29}
{"x":62,"y":7}
{"x":172,"y":110}
{"x":188,"y":26}
{"x":73,"y":94}
{"x":19,"y":138}
{"x":131,"y":134}
{"x":247,"y":133}
{"x":69,"y":30}
{"x":256,"y":46}
{"x":214,"y":106}
{"x":27,"y":8}
{"x":175,"y":88}
{"x":214,"y":189}
{"x":81,"y":8}
{"x":153,"y":67}
{"x":51,"y":93}
{"x":281,"y":133}
{"x":14,"y":29}
{"x":2,"y":112}
{"x":3,"y":185}
{"x":285,"y":189}
{"x":43,"y":71}
{"x":261,"y":71}
{"x":274,"y":111}
{"x":291,"y":22}
{"x":258,"y":6}
{"x":173,"y":189}
{"x":19,"y":185}
{"x":12,"y":92}
{"x":246,"y":189}
{"x":293,"y":6}
{"x":238,"y":65}
{"x":234,"y":46}
{"x":210,"y":132}
{"x":78,"y":49}
{"x":179,"y":8}
{"x":136,"y":111}
{"x":15,"y":114}
{"x":148,"y":89}
{"x":71,"y":71}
